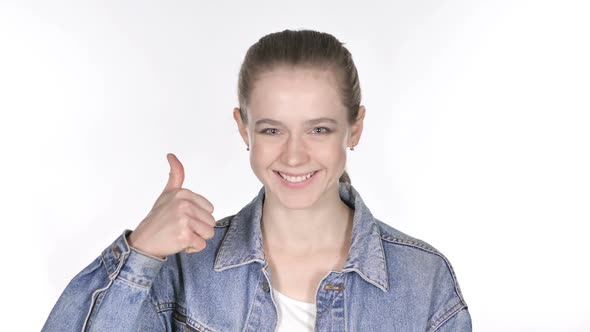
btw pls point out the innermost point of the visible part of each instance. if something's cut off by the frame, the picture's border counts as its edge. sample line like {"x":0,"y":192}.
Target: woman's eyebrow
{"x":307,"y":122}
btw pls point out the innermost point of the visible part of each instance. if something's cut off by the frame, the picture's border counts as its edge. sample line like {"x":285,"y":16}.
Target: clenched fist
{"x":179,"y":220}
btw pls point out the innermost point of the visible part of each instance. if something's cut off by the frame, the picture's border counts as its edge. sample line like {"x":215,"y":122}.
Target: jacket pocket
{"x":181,"y":324}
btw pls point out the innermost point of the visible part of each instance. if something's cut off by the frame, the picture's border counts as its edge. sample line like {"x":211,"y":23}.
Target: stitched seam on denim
{"x":193,"y":323}
{"x":346,"y":279}
{"x":104,"y":263}
{"x":446,"y":316}
{"x":330,"y":304}
{"x":196,"y":325}
{"x":121,"y":262}
{"x":148,"y":255}
{"x":365,"y":278}
{"x":189,"y":321}
{"x":386,"y":286}
{"x":252,"y":260}
{"x":410,"y":242}
{"x":117,"y":276}
{"x":318,"y":312}
{"x":161,"y":317}
{"x":274,"y":302}
{"x":221,"y":245}
{"x":221,"y":224}
{"x":164,"y":306}
{"x":260,"y":276}
{"x":95,"y":305}
{"x":131,"y":283}
{"x":182,"y":311}
{"x":96,"y":301}
{"x":432,"y":251}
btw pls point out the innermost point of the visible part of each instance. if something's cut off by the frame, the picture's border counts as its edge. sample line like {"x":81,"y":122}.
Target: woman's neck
{"x":325,"y":226}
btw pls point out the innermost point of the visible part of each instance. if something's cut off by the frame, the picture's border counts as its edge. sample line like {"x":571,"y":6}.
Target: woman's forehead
{"x":294,"y":72}
{"x":302,"y":93}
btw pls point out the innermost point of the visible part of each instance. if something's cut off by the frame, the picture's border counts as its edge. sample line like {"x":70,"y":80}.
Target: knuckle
{"x":208,"y":233}
{"x":183,"y":205}
{"x":184,"y":236}
{"x":182,"y":222}
{"x":206,"y":206}
{"x":199,"y":244}
{"x":179,"y":192}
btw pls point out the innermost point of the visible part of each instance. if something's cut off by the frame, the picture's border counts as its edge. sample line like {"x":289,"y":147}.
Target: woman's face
{"x":298,"y":134}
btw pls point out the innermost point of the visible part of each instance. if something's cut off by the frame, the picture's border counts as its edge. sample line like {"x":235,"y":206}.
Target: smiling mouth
{"x":296,"y":179}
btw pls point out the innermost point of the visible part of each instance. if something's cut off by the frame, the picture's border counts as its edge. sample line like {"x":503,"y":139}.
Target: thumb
{"x":176,"y":176}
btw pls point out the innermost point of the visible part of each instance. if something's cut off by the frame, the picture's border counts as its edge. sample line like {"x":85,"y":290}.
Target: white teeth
{"x":296,"y":179}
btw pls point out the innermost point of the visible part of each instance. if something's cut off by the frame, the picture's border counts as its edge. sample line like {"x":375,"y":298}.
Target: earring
{"x":351,"y":148}
{"x":247,"y":148}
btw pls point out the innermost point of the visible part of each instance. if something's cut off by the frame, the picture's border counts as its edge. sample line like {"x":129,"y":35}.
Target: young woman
{"x":305,"y":254}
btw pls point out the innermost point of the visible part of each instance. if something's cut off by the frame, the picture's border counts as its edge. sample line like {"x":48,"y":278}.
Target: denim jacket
{"x":390,"y":282}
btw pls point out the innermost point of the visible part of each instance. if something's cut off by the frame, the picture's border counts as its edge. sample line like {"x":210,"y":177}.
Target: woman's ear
{"x":357,"y":127}
{"x":241,"y":126}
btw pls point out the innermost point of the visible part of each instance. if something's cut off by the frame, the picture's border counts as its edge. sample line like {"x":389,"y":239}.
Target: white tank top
{"x":294,"y":315}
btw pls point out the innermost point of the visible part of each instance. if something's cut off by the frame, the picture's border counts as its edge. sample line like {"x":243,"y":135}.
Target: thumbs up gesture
{"x":179,"y":220}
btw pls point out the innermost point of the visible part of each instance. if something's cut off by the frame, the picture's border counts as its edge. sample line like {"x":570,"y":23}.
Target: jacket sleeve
{"x":110,"y":294}
{"x":461,"y":321}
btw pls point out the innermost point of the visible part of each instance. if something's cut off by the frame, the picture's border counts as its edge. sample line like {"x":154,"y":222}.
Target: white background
{"x":476,"y":136}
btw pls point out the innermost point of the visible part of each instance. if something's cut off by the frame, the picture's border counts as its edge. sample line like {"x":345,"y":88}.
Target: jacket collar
{"x":242,"y":243}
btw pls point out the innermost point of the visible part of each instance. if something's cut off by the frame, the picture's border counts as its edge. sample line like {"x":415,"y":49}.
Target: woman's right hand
{"x":179,"y":220}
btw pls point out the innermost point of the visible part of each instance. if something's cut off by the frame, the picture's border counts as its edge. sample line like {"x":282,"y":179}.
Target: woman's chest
{"x":241,"y":299}
{"x":298,"y":276}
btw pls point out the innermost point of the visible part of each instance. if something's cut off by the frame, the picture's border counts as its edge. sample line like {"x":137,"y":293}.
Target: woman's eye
{"x":321,"y":130}
{"x":270,"y":131}
{"x":275,"y":131}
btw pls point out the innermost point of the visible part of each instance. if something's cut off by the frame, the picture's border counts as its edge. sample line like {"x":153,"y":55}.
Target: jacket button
{"x":265,"y":286}
{"x":116,"y":252}
{"x":334,"y":287}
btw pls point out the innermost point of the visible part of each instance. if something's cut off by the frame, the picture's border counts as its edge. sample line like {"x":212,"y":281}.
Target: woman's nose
{"x":294,"y":152}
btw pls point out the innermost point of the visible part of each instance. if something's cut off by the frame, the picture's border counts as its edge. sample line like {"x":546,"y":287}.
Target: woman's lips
{"x":295,"y":175}
{"x":297,"y":184}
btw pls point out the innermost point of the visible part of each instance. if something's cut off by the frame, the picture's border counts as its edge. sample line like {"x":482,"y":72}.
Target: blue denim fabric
{"x":390,"y":282}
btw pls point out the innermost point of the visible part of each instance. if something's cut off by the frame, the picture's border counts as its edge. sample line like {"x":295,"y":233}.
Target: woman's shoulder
{"x":408,"y":257}
{"x":393,"y":236}
{"x":406,"y":247}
